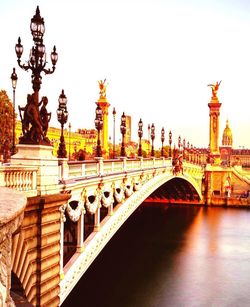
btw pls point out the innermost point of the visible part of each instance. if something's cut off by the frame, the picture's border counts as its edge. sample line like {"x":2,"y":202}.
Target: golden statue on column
{"x":102,"y":87}
{"x":215,"y":88}
{"x":104,"y":104}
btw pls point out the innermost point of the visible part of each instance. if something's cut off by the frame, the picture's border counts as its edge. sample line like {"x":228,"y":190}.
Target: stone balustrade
{"x":105,"y":167}
{"x":19,"y":178}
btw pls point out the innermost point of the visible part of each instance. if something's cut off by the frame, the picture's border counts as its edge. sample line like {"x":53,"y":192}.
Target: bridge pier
{"x":12,"y":205}
{"x":41,"y":157}
{"x":36,"y":257}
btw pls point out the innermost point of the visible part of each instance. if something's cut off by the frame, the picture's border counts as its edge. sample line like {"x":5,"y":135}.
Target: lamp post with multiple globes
{"x":152,"y":139}
{"x":62,"y":117}
{"x":162,"y":140}
{"x":99,"y":126}
{"x":123,"y":131}
{"x":170,"y":143}
{"x":140,"y":133}
{"x":14,"y":82}
{"x":37,"y":64}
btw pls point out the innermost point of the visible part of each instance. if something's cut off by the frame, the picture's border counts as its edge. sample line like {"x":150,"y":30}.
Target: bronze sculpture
{"x":215,"y":88}
{"x":102,"y":88}
{"x":34,"y":121}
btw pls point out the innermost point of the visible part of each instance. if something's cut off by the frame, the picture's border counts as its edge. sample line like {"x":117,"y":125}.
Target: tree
{"x":6,"y":121}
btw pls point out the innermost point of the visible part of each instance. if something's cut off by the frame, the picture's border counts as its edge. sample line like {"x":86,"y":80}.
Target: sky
{"x":158,"y":57}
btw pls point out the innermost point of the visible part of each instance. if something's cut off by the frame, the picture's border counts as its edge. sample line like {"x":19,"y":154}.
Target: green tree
{"x":6,"y":120}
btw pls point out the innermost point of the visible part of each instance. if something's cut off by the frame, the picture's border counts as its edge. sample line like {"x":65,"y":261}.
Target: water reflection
{"x":172,"y":256}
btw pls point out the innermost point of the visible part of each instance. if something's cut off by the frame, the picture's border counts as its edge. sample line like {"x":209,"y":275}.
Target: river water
{"x":164,"y":256}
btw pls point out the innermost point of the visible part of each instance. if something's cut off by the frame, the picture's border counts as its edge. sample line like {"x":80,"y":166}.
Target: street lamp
{"x":114,"y":113}
{"x":140,"y":133}
{"x":36,"y":63}
{"x":184,"y":147}
{"x":170,"y":142}
{"x":62,"y":117}
{"x":179,"y":143}
{"x":191,"y":150}
{"x":14,"y":82}
{"x":99,"y":126}
{"x":162,"y":140}
{"x":123,"y":131}
{"x":152,"y":138}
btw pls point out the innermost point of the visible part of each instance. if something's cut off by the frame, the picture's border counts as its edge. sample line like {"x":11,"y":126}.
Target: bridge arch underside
{"x":175,"y":190}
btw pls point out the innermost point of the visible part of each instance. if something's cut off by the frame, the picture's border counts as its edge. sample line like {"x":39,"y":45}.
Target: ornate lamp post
{"x":114,"y":113}
{"x":188,"y":154}
{"x":179,"y":143}
{"x":162,"y":140}
{"x":152,"y":138}
{"x":62,"y":117}
{"x":191,"y":149}
{"x":36,"y":63}
{"x":123,"y":131}
{"x":170,"y":142}
{"x":140,"y":133}
{"x":14,"y":82}
{"x":98,"y":126}
{"x":184,"y":147}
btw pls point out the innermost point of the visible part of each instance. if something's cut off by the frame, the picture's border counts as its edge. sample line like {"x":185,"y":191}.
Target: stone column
{"x":214,"y":129}
{"x":104,"y":104}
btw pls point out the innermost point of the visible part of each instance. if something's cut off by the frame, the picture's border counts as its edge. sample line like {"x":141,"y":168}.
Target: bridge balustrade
{"x":105,"y":167}
{"x":19,"y":178}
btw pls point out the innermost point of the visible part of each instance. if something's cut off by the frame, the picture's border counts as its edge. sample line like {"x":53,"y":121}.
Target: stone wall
{"x":36,"y":250}
{"x":12,"y":205}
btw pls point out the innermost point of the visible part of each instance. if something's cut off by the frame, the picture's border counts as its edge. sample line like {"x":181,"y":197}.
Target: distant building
{"x":83,"y":139}
{"x":230,"y":156}
{"x":128,"y":130}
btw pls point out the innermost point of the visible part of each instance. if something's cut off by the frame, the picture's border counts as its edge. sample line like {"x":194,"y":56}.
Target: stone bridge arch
{"x":178,"y":188}
{"x":148,"y":183}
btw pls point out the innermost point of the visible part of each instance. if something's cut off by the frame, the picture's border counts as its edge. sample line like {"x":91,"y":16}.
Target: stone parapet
{"x":12,"y":205}
{"x":41,"y":157}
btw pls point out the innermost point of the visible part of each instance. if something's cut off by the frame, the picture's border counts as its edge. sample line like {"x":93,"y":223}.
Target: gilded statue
{"x":102,"y":87}
{"x":215,"y":88}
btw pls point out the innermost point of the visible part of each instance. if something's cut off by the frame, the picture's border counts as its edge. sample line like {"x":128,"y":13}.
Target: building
{"x":83,"y":139}
{"x":229,"y":155}
{"x":127,"y":137}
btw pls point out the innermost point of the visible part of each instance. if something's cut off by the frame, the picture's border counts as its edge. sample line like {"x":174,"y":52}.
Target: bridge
{"x":57,"y":215}
{"x":74,"y":208}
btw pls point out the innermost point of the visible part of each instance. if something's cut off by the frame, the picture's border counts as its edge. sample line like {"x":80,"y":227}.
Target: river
{"x":182,"y":256}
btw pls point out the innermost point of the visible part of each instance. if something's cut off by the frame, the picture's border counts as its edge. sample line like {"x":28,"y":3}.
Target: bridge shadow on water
{"x":130,"y":266}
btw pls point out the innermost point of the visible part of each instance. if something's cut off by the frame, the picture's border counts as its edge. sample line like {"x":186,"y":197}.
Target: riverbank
{"x":215,"y":201}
